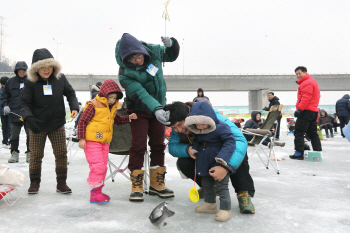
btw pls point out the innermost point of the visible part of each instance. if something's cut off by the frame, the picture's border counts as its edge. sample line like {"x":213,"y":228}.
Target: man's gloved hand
{"x":163,"y":116}
{"x":33,"y":124}
{"x":167,"y":41}
{"x":7,"y":110}
{"x":297,"y":113}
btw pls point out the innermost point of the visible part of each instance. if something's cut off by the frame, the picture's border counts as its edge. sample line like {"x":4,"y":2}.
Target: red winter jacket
{"x":308,"y":94}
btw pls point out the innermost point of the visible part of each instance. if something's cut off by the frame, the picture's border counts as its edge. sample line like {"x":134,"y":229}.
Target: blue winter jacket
{"x":179,"y":149}
{"x":342,"y":106}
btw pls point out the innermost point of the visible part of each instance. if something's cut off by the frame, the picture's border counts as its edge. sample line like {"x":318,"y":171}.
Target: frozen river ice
{"x":305,"y":197}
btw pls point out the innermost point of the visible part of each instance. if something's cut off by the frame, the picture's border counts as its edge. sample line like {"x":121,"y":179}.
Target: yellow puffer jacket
{"x":100,"y":128}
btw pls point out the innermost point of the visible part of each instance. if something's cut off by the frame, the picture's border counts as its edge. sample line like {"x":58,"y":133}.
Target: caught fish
{"x":159,"y":214}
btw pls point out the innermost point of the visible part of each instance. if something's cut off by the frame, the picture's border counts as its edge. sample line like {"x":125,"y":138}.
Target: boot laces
{"x":244,"y":197}
{"x":137,"y":180}
{"x":160,"y":178}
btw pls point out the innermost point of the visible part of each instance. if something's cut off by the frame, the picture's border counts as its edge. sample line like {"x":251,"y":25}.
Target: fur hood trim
{"x":191,"y":122}
{"x":33,"y":75}
{"x":95,"y":87}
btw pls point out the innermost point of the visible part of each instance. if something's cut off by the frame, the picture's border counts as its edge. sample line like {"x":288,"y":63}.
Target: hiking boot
{"x":35,"y":178}
{"x":157,"y":186}
{"x":297,"y":155}
{"x":97,"y":197}
{"x":245,"y":204}
{"x":332,"y":135}
{"x":209,"y":208}
{"x":223,"y":215}
{"x":27,"y":157}
{"x":201,"y":192}
{"x":137,"y":185}
{"x":327,"y":135}
{"x":14,"y":157}
{"x":61,"y":177}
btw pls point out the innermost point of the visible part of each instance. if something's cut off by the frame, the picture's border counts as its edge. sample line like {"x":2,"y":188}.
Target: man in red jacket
{"x":306,"y":113}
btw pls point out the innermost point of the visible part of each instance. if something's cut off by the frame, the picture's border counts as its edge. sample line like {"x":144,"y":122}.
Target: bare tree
{"x":6,"y":65}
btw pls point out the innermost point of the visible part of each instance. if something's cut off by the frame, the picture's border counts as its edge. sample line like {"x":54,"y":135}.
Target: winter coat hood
{"x":253,"y":115}
{"x":21,"y":65}
{"x":321,"y":111}
{"x":201,"y":113}
{"x":129,"y":45}
{"x":200,"y":90}
{"x":110,"y":86}
{"x":346,"y":96}
{"x":42,"y":58}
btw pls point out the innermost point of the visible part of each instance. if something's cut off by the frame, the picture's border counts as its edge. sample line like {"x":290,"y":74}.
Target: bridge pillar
{"x":258,"y":99}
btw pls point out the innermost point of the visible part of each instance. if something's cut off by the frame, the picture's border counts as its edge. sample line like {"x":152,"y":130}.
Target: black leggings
{"x":327,"y":127}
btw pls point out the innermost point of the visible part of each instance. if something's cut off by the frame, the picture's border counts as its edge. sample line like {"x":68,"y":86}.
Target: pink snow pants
{"x":97,"y":156}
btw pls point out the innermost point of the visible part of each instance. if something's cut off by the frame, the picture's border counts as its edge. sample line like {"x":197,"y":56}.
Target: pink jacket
{"x":308,"y":94}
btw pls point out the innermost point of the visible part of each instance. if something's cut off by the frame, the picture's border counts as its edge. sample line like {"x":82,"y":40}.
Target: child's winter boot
{"x":137,"y":185}
{"x":157,"y":186}
{"x":209,"y":208}
{"x":245,"y":204}
{"x":97,"y":197}
{"x":14,"y":157}
{"x":223,"y":215}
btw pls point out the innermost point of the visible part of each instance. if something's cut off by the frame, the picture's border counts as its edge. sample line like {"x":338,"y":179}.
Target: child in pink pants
{"x":95,"y":131}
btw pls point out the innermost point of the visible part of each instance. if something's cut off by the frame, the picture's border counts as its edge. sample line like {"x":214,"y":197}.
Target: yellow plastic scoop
{"x":193,"y":193}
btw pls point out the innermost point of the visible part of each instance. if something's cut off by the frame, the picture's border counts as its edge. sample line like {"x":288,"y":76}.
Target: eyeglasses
{"x":133,"y":60}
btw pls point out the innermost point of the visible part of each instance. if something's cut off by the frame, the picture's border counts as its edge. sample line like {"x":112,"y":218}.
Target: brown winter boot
{"x":137,"y":185}
{"x":61,"y":177}
{"x":157,"y":186}
{"x":35,"y":178}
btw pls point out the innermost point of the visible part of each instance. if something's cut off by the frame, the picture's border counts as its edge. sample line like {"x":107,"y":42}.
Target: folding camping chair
{"x":120,"y":144}
{"x":263,"y":133}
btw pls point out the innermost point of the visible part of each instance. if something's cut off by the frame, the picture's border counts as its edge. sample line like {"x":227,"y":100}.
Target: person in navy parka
{"x":214,"y":146}
{"x":342,"y":108}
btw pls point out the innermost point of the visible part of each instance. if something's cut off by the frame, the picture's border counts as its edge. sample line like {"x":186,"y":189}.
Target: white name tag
{"x":21,"y":85}
{"x":152,"y":70}
{"x":47,"y":89}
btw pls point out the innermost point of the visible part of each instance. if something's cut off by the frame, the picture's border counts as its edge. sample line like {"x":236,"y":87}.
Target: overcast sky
{"x":232,"y":37}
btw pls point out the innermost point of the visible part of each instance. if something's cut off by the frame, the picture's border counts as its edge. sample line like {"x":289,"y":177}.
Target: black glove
{"x":33,"y":124}
{"x":297,"y":113}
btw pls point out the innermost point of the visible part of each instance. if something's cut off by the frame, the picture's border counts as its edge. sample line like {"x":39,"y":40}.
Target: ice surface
{"x":305,"y":197}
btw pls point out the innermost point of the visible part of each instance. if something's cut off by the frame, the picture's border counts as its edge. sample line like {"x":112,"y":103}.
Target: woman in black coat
{"x":43,"y":109}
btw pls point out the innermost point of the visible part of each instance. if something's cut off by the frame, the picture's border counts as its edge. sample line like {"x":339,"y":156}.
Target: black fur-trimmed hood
{"x":43,"y":58}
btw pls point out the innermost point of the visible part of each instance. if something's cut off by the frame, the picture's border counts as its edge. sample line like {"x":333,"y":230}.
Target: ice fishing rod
{"x":20,"y":117}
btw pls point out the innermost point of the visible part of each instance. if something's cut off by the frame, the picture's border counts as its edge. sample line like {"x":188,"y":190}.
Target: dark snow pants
{"x":141,"y":127}
{"x":15,"y":132}
{"x":241,"y":180}
{"x":6,"y":128}
{"x":343,"y":120}
{"x":306,"y":123}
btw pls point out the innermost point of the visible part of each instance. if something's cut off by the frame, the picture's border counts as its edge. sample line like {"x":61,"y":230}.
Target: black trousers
{"x":306,"y":124}
{"x":343,"y":120}
{"x":278,"y":128}
{"x":15,"y":132}
{"x":335,"y":126}
{"x":241,"y":180}
{"x":6,"y":128}
{"x":328,"y":127}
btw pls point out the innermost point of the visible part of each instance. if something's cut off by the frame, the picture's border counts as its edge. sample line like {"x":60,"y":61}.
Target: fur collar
{"x":33,"y":75}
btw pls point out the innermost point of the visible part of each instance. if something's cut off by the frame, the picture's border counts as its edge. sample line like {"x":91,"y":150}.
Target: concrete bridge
{"x":257,"y":85}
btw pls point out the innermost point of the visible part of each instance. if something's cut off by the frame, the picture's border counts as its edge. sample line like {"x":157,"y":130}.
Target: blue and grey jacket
{"x":215,"y":144}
